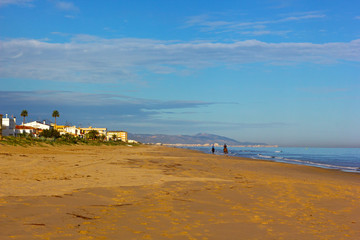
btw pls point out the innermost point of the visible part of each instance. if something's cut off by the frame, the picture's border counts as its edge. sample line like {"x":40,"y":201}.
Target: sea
{"x":344,"y":159}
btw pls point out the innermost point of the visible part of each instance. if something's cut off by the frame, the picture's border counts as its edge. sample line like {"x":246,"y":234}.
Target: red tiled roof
{"x":23,"y":127}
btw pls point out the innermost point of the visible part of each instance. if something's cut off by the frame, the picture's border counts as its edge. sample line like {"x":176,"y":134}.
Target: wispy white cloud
{"x":357,"y":17}
{"x":298,"y":18}
{"x":114,"y":110}
{"x":92,"y":59}
{"x":82,"y":99}
{"x":27,"y":3}
{"x":89,"y":108}
{"x":206,"y":23}
{"x":264,"y":32}
{"x":66,"y":6}
{"x":70,"y":16}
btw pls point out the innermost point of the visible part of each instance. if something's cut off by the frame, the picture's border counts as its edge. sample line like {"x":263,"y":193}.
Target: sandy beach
{"x":155,"y":192}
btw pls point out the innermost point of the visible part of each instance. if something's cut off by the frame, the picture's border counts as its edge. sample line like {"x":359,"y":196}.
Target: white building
{"x":72,"y":130}
{"x":21,"y":129}
{"x":38,"y":125}
{"x":8,"y":126}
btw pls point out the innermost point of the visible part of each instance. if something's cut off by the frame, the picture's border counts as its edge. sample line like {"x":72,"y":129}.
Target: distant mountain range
{"x":200,"y":138}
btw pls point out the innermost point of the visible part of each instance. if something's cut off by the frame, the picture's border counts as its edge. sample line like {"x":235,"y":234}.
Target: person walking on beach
{"x":225,"y":150}
{"x":213,"y":149}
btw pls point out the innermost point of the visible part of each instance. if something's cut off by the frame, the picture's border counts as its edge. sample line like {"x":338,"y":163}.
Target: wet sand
{"x":153,"y":192}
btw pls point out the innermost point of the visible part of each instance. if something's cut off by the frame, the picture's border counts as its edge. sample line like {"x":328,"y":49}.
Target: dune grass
{"x":35,"y":141}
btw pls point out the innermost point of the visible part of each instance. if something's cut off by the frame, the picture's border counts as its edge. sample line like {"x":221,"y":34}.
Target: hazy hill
{"x":200,"y":138}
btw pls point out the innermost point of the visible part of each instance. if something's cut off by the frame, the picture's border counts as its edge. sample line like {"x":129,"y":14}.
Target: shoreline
{"x":216,"y":145}
{"x":300,"y":162}
{"x":156,"y":192}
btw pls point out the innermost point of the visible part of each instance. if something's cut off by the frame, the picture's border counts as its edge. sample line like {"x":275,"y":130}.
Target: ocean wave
{"x":265,"y":156}
{"x":309,"y":163}
{"x":346,"y":160}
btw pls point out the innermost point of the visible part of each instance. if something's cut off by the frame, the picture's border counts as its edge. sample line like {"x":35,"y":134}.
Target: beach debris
{"x":58,"y":196}
{"x":35,"y":224}
{"x":6,"y":154}
{"x":184,"y":200}
{"x":80,"y":216}
{"x":113,"y":205}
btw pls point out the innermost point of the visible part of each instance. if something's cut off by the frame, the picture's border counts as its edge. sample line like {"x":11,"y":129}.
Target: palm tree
{"x":55,"y":114}
{"x":24,"y":114}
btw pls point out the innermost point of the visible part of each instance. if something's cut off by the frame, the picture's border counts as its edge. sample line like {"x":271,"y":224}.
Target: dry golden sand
{"x":150,"y":192}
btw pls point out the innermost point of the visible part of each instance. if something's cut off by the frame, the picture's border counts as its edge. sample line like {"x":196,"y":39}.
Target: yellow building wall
{"x":59,"y":128}
{"x":102,"y":131}
{"x":119,"y":134}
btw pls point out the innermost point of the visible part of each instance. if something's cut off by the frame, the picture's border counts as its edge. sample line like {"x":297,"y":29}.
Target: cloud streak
{"x":92,"y":59}
{"x":106,"y":110}
{"x":205,"y":24}
{"x":26,"y":3}
{"x":66,"y":6}
{"x":113,"y":111}
{"x":68,"y":98}
{"x":99,"y":103}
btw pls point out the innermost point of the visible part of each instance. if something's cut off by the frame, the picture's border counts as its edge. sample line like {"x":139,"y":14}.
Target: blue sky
{"x":274,"y":71}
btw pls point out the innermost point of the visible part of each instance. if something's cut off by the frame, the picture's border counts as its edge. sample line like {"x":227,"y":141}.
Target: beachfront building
{"x":101,"y":131}
{"x":21,"y":129}
{"x":8,"y":126}
{"x":73,"y":130}
{"x":38,"y":125}
{"x":120,"y":135}
{"x":62,"y":129}
{"x":59,"y":128}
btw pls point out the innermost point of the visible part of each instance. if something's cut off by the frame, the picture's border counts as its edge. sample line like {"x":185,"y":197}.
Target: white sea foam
{"x":344,"y":159}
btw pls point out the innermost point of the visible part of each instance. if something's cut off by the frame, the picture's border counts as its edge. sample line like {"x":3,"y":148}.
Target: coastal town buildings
{"x":102,"y":131}
{"x":38,"y":125}
{"x":8,"y":126}
{"x":73,"y":130}
{"x":63,"y":129}
{"x":22,"y":129}
{"x":119,"y":135}
{"x":59,"y":128}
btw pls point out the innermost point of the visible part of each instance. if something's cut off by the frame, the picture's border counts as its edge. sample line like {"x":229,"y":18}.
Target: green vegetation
{"x":113,"y":137}
{"x":67,"y":139}
{"x":93,"y":134}
{"x":51,"y":133}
